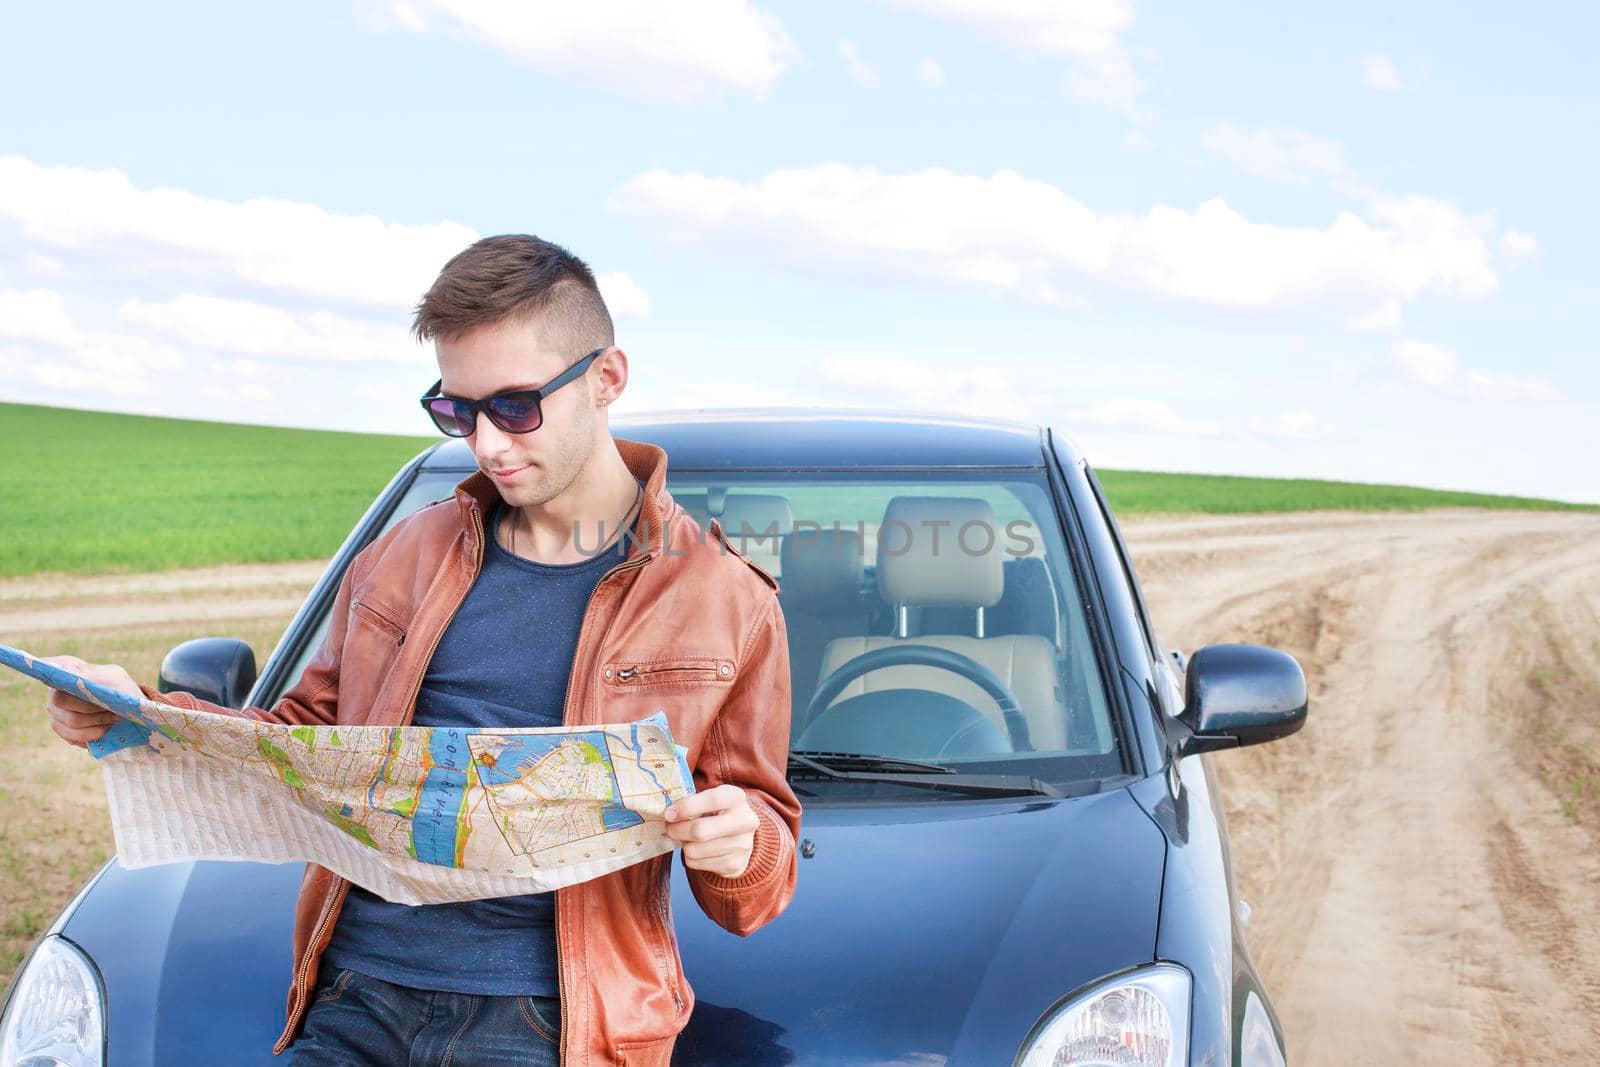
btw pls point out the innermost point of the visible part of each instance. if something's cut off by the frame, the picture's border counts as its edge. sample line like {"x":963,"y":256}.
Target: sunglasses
{"x":513,"y":411}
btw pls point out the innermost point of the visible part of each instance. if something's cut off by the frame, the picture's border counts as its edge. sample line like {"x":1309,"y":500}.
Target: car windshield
{"x":934,"y":618}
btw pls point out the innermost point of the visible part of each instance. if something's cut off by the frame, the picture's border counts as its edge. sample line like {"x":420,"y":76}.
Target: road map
{"x":415,"y":814}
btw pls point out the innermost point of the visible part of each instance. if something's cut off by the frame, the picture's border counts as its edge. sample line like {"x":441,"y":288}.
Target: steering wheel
{"x":925,"y":656}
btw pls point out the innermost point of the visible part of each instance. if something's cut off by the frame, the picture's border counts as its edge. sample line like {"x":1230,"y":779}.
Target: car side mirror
{"x":1237,"y":695}
{"x":218,"y":669}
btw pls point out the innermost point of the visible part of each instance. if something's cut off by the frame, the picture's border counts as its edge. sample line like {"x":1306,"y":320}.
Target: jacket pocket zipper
{"x":383,"y":617}
{"x":701,"y":671}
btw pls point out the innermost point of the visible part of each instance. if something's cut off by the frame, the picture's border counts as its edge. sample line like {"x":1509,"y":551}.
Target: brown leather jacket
{"x":685,"y":623}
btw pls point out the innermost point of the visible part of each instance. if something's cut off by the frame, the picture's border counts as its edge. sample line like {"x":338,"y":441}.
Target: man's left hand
{"x":717,"y":829}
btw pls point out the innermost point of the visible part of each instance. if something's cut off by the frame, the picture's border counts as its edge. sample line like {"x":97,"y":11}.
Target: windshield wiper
{"x":913,"y":773}
{"x":861,"y":761}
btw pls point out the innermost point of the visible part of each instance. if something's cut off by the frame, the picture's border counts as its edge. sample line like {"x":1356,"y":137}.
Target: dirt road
{"x":1423,"y":858}
{"x":50,"y":603}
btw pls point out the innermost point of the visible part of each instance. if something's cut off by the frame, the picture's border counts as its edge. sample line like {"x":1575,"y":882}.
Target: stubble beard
{"x":560,"y":470}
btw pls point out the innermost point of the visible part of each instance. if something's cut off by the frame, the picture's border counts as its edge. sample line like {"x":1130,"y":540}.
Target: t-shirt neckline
{"x":620,"y":542}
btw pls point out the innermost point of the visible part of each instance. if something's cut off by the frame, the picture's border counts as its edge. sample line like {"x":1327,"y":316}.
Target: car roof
{"x":776,"y":437}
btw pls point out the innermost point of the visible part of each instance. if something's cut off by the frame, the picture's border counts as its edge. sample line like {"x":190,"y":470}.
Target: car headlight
{"x":1138,"y":1019}
{"x":56,"y":1012}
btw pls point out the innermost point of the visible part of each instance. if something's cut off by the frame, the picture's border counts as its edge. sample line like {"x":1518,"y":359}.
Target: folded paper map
{"x":415,"y":814}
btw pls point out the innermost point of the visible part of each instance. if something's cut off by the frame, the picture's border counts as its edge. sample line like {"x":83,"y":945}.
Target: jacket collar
{"x":644,"y":460}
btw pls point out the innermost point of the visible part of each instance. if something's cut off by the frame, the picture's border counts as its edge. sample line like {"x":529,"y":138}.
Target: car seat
{"x":823,"y":598}
{"x":916,"y":570}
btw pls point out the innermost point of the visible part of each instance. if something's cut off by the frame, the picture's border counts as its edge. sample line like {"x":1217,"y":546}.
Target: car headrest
{"x":822,"y":572}
{"x":756,"y":517}
{"x":940,"y":551}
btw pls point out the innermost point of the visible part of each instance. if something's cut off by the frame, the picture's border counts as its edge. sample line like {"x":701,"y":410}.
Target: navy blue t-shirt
{"x":502,"y":661}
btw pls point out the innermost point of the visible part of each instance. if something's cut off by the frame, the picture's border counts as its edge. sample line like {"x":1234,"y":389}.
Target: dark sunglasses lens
{"x":515,"y":412}
{"x":453,"y":420}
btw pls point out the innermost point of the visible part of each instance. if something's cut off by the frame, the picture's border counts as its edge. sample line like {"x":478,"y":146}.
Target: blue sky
{"x":1354,"y":243}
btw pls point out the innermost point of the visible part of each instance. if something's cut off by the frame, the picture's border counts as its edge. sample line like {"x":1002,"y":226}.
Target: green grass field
{"x":1147,"y":492}
{"x":183,"y":493}
{"x":189,"y":493}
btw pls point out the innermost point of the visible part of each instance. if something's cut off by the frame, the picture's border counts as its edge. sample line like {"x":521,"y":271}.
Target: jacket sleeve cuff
{"x":177,"y":698}
{"x":189,"y":702}
{"x":772,"y":846}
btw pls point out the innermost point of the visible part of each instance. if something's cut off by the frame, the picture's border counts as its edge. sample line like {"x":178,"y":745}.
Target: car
{"x":1013,"y":844}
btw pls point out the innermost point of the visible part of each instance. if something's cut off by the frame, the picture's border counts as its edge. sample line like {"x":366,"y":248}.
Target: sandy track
{"x":76,"y":602}
{"x":1419,"y":893}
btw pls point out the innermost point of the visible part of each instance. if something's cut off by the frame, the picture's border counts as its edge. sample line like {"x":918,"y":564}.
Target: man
{"x":561,"y":585}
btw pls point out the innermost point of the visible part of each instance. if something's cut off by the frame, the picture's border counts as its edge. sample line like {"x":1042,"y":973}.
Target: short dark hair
{"x":517,"y":276}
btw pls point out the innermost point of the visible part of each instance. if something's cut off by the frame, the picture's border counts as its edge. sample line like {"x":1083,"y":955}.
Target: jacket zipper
{"x":566,"y":720}
{"x":633,"y":671}
{"x":666,"y":932}
{"x":301,"y":993}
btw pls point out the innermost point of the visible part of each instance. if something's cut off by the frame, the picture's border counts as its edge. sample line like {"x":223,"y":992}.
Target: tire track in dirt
{"x":1422,"y":890}
{"x":66,"y":603}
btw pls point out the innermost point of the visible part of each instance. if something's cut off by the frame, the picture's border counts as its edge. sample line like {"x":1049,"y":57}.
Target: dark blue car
{"x":1010,"y":852}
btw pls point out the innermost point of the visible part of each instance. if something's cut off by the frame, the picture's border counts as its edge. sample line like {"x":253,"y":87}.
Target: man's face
{"x":532,"y":468}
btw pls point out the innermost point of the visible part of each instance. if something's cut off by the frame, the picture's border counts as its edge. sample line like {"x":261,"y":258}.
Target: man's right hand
{"x":77,"y":720}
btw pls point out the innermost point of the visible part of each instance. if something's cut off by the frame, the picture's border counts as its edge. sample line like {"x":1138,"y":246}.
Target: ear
{"x":611,"y":376}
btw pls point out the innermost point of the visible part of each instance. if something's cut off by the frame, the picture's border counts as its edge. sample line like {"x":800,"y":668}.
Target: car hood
{"x":925,"y":934}
{"x":918,"y":934}
{"x":195,"y":959}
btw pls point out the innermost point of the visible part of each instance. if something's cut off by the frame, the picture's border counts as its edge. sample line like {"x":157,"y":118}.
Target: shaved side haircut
{"x":522,"y":278}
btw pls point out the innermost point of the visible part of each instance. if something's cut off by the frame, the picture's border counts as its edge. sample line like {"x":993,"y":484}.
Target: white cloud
{"x":1151,"y":416}
{"x":179,"y":264}
{"x":1425,"y":363}
{"x":252,"y":394}
{"x":73,"y":357}
{"x":1008,"y":232}
{"x":1506,"y":386}
{"x":929,"y":72}
{"x":861,"y":72}
{"x":684,"y":50}
{"x":1439,"y":367}
{"x":1283,"y":155}
{"x":280,"y":243}
{"x":1441,"y":241}
{"x":1088,"y":33}
{"x":1435,"y":225}
{"x":164,"y":301}
{"x":36,"y":315}
{"x":248,"y":368}
{"x":1377,"y":72}
{"x":706,"y":390}
{"x":622,"y":295}
{"x":909,"y":385}
{"x":1384,"y":317}
{"x":22,"y":365}
{"x":262,"y":330}
{"x":1296,"y":426}
{"x":1517,"y":245}
{"x":43,"y":265}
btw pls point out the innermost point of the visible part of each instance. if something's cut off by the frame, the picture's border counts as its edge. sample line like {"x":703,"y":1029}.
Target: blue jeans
{"x":357,"y":1019}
